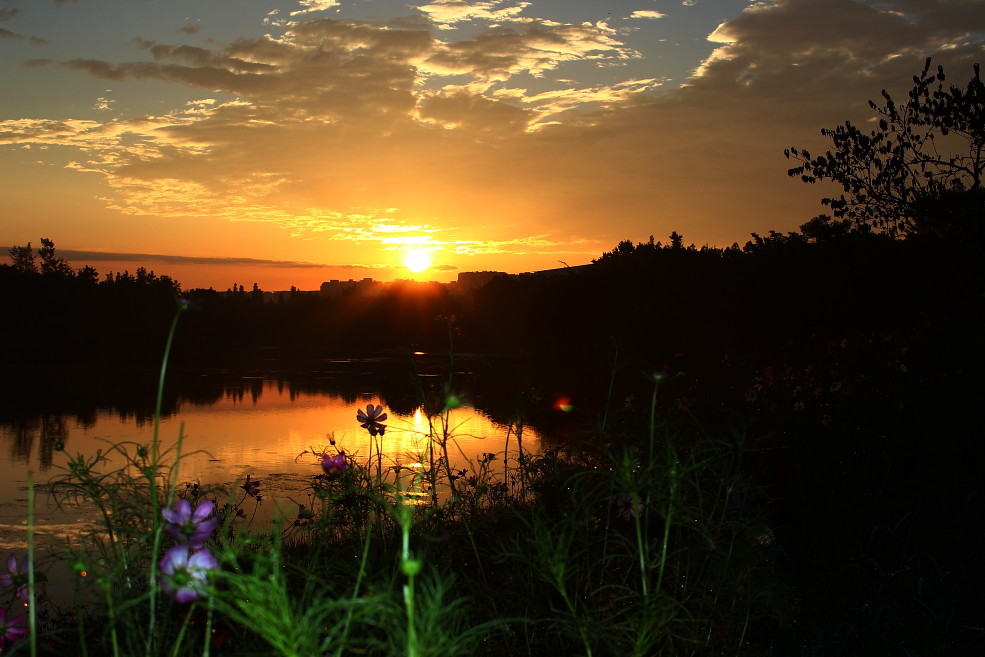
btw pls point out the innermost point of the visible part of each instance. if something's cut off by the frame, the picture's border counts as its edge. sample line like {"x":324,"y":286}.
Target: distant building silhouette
{"x":470,"y":281}
{"x":335,"y":287}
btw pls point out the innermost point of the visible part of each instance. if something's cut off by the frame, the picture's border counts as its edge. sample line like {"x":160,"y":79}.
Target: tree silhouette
{"x":50,"y":263}
{"x":823,"y":228}
{"x":23,"y":259}
{"x":920,"y":172}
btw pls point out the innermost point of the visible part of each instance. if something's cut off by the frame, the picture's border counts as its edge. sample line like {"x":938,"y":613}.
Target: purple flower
{"x":333,"y":465}
{"x":372,"y":419}
{"x":252,"y":488}
{"x":186,"y":572}
{"x":187,"y":526}
{"x":11,"y":629}
{"x":16,"y":576}
{"x":628,"y":506}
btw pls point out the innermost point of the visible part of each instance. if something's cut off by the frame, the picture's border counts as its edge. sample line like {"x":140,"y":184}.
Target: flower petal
{"x":203,"y":560}
{"x":176,"y":558}
{"x":203,"y":511}
{"x":184,"y":595}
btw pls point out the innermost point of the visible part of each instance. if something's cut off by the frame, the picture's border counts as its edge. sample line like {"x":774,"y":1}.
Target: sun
{"x":417,"y":260}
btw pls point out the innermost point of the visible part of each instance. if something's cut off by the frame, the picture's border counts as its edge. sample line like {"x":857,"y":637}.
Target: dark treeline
{"x":845,"y":363}
{"x":721,"y":315}
{"x":57,"y":318}
{"x":648,"y":300}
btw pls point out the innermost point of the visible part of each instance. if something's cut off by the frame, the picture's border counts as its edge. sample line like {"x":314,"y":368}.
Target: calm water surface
{"x":260,"y":427}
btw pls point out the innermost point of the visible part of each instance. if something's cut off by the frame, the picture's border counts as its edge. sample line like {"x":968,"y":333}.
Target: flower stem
{"x":32,"y":606}
{"x":152,"y":482}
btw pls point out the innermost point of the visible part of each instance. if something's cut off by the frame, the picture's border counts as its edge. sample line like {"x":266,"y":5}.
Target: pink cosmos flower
{"x":252,"y":488}
{"x":333,"y":465}
{"x":11,"y":629}
{"x":372,"y":419}
{"x":188,"y":526}
{"x":16,"y":577}
{"x":185,"y":572}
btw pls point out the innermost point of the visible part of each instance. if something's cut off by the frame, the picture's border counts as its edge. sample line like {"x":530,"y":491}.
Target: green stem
{"x":582,"y":632}
{"x":32,"y":606}
{"x":668,"y":518}
{"x":111,"y":612}
{"x":181,"y":633}
{"x":355,"y":591}
{"x":445,"y":419}
{"x":409,"y":566}
{"x":208,"y":628}
{"x":653,"y":416}
{"x":608,"y":396}
{"x":432,"y":471}
{"x":634,"y":500}
{"x":152,"y":483}
{"x":411,"y":626}
{"x":640,"y":543}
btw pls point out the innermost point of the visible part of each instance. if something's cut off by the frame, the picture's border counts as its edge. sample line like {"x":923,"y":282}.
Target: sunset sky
{"x":289,"y":142}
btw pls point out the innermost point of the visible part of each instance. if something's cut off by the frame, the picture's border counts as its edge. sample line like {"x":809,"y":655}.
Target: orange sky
{"x":291,"y":142}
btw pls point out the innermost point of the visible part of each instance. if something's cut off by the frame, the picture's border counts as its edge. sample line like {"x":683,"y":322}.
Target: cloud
{"x":308,"y":6}
{"x":323,"y":112}
{"x":485,"y":140}
{"x":463,"y":108}
{"x":8,"y":12}
{"x":82,"y":257}
{"x":450,"y":12}
{"x":647,"y":13}
{"x":826,"y":52}
{"x":533,"y":49}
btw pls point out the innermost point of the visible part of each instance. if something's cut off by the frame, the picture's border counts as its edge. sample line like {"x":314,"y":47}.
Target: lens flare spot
{"x":563,"y":404}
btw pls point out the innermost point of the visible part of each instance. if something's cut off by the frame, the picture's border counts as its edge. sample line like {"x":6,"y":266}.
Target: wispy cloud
{"x":446,"y":13}
{"x":351,"y":90}
{"x":647,"y":13}
{"x":82,"y":257}
{"x":421,"y":129}
{"x":308,"y":6}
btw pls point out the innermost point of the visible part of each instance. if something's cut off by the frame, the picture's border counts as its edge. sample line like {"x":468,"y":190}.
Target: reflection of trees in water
{"x":402,"y":385}
{"x":50,"y":430}
{"x":54,"y":433}
{"x":23,"y":432}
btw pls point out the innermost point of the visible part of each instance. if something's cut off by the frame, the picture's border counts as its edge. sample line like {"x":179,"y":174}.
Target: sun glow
{"x":417,"y":260}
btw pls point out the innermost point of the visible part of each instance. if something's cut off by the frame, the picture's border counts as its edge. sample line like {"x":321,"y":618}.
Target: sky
{"x":290,"y":142}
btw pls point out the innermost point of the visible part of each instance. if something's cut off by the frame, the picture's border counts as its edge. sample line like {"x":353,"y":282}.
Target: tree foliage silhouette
{"x":22,"y":258}
{"x":51,"y":264}
{"x":920,"y":172}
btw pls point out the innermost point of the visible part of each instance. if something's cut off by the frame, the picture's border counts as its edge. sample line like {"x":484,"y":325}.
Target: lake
{"x":232,"y":426}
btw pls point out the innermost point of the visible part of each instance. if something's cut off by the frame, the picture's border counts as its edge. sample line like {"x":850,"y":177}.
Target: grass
{"x":655,"y":536}
{"x":628,"y":550}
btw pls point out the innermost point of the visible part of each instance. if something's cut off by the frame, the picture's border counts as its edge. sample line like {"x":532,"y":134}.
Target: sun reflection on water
{"x":261,"y":433}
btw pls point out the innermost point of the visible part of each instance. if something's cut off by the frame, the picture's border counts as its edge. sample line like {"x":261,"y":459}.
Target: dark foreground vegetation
{"x":766,"y":450}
